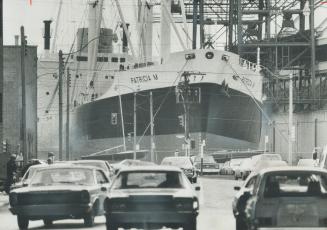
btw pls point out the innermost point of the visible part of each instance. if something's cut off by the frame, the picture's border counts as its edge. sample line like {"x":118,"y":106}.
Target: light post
{"x":290,"y":122}
{"x":122,"y":118}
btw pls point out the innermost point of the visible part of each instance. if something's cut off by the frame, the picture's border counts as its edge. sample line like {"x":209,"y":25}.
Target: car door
{"x":104,"y":183}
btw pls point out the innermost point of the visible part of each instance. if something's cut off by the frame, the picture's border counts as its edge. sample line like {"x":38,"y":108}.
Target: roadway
{"x":215,"y":197}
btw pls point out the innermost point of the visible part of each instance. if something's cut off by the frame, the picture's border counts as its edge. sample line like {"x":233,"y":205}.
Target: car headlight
{"x":13,"y":199}
{"x":85,"y":196}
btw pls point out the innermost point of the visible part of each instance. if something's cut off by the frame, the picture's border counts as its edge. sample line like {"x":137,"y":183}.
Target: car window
{"x":50,"y":177}
{"x":148,"y":179}
{"x":101,"y":178}
{"x":285,"y":184}
{"x":251,"y":182}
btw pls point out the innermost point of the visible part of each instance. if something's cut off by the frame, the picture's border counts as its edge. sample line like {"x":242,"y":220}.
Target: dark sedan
{"x":61,"y":192}
{"x":151,"y":197}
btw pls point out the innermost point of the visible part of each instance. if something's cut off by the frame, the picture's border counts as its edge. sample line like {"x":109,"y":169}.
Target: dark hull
{"x":234,"y":117}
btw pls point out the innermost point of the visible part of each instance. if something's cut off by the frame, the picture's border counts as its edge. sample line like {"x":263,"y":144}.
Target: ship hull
{"x":225,"y":121}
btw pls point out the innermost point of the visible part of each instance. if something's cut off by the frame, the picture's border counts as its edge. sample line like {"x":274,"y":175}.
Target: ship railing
{"x":249,"y":65}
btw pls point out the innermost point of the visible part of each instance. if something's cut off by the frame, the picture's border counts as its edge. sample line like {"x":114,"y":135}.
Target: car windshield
{"x":63,"y":176}
{"x":295,"y":184}
{"x":206,"y":159}
{"x":178,"y":161}
{"x":148,"y":179}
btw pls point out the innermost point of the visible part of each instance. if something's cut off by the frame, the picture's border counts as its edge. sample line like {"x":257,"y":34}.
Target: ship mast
{"x":95,"y":18}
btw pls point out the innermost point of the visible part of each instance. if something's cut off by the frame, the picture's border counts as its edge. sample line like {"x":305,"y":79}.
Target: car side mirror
{"x":237,"y":188}
{"x":197,"y":188}
{"x":103,"y":189}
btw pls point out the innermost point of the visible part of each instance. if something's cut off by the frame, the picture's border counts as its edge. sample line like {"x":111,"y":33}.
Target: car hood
{"x":60,"y":188}
{"x":121,"y":193}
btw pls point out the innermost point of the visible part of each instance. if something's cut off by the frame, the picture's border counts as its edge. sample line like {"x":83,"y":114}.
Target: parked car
{"x":244,"y":169}
{"x":288,"y":197}
{"x":234,"y":165}
{"x":152,"y":196}
{"x":130,"y":162}
{"x":61,"y":192}
{"x":307,"y":162}
{"x":226,"y":169}
{"x":209,"y":165}
{"x":184,"y":163}
{"x":104,"y":165}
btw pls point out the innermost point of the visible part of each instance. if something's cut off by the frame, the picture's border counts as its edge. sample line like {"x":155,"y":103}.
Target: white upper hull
{"x":202,"y":69}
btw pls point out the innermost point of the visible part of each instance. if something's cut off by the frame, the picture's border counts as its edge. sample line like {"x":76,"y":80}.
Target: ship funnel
{"x":47,"y":35}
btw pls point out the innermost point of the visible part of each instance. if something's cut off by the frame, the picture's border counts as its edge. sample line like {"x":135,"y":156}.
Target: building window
{"x":122,"y":59}
{"x":102,"y":59}
{"x":81,"y":58}
{"x":114,"y":59}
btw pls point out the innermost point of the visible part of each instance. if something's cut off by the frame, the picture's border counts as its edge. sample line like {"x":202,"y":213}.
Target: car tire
{"x":47,"y":222}
{"x":191,"y":225}
{"x":240,"y":224}
{"x":22,"y":222}
{"x":112,"y":226}
{"x":89,"y":220}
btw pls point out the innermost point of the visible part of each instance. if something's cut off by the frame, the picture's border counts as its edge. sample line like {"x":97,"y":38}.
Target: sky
{"x":73,"y":15}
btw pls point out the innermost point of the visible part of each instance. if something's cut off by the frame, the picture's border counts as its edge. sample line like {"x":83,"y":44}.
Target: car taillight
{"x":13,"y":199}
{"x":85,"y":196}
{"x":195,"y":204}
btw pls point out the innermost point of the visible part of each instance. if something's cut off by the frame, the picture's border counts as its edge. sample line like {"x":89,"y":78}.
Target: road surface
{"x":215,"y":210}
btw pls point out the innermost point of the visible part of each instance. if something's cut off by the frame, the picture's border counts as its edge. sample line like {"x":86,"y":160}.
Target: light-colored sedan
{"x":151,"y":196}
{"x":288,"y":198}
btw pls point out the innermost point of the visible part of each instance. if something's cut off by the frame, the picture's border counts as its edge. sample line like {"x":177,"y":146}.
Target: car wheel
{"x":112,"y":226}
{"x":89,"y":220}
{"x":191,"y":225}
{"x":22,"y":222}
{"x":47,"y":222}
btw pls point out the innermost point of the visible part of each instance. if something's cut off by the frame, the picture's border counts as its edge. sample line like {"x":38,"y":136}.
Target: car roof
{"x":100,"y":161}
{"x":292,"y":169}
{"x":150,"y":168}
{"x":69,"y":166}
{"x":181,"y":157}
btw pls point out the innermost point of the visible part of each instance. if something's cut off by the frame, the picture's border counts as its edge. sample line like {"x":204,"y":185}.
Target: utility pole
{"x":186,"y":104}
{"x":61,"y":71}
{"x":22,"y":68}
{"x":134,"y":143}
{"x":290,"y":121}
{"x":151,"y":129}
{"x":313,"y":52}
{"x":67,"y":116}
